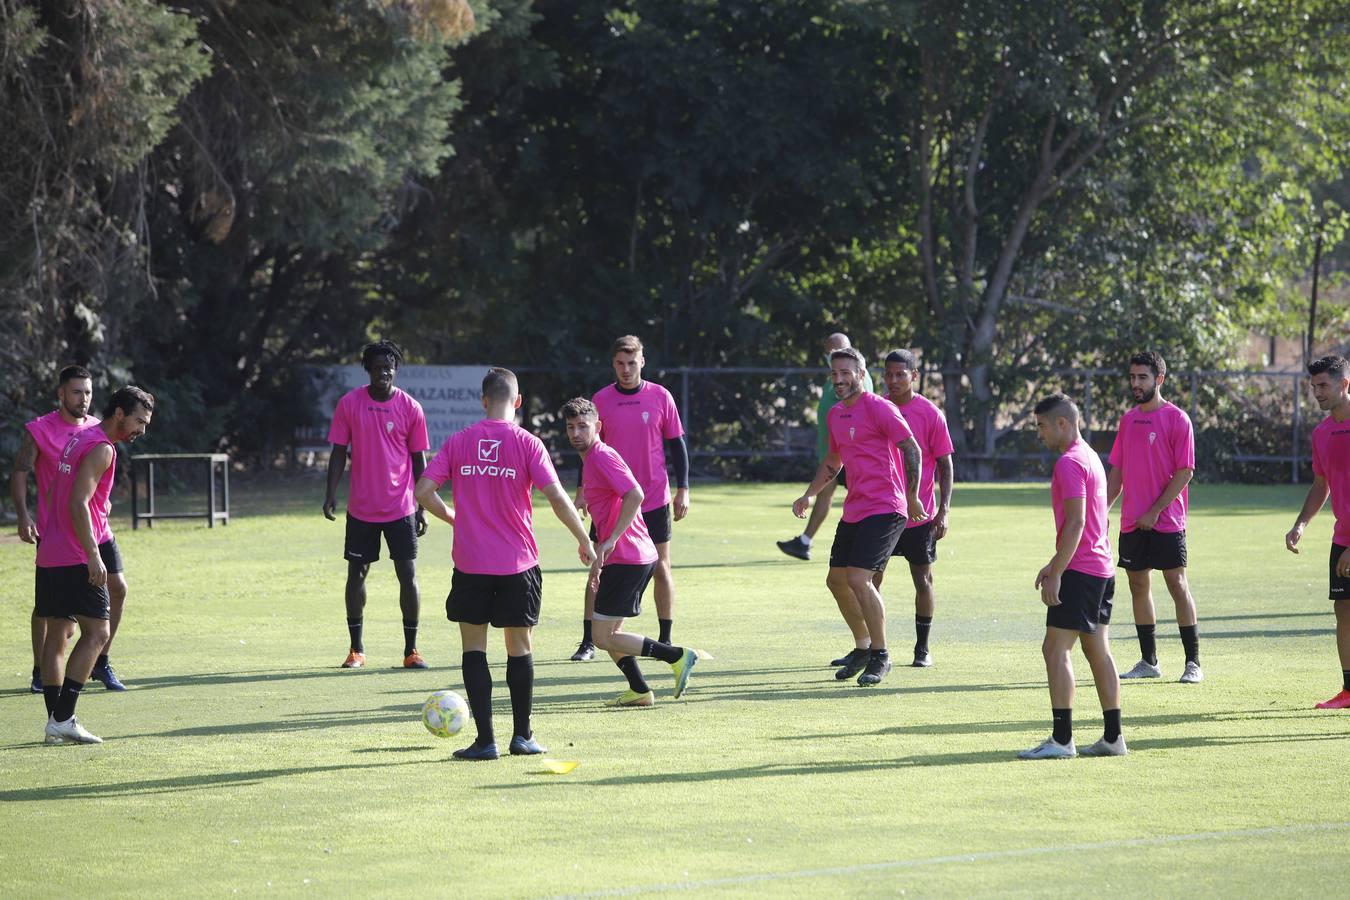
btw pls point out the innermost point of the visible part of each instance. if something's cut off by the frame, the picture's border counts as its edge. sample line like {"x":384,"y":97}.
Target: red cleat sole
{"x":1340,"y":701}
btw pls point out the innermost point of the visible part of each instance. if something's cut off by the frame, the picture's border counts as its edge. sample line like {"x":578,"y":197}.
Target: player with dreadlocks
{"x":387,"y":433}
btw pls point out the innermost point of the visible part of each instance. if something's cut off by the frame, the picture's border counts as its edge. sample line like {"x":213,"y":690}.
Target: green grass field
{"x":243,"y":761}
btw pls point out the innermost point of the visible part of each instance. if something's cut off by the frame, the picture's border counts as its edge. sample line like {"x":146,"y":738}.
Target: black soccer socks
{"x":478,"y":685}
{"x":1190,"y":639}
{"x":661,"y":650}
{"x":1063,"y":726}
{"x":520,"y":681}
{"x":629,"y":667}
{"x":1148,"y":643}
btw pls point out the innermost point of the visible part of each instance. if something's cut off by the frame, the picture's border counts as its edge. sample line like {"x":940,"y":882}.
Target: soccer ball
{"x":445,"y":713}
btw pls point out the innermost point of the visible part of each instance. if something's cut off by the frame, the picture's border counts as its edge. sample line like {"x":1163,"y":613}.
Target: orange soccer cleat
{"x":414,"y":660}
{"x":355,"y":660}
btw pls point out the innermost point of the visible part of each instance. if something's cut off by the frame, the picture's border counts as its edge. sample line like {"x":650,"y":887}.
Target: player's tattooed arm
{"x":18,"y":486}
{"x":913,"y":459}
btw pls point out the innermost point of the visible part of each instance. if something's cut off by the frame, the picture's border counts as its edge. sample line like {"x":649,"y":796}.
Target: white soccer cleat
{"x":50,"y":739}
{"x":1192,"y":675}
{"x":1143,"y":669}
{"x":1106,"y":748}
{"x":71,"y":730}
{"x":1050,"y":749}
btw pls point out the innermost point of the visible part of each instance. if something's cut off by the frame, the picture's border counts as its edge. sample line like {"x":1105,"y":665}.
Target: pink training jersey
{"x":864,"y":435}
{"x":1150,"y":447}
{"x":929,"y":426}
{"x":383,"y":435}
{"x":491,"y":467}
{"x":637,"y":425}
{"x":60,"y":546}
{"x":605,"y":478}
{"x":1079,"y":473}
{"x":1331,"y":460}
{"x":50,"y":434}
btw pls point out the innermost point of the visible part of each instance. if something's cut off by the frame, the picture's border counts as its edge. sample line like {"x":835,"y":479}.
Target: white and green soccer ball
{"x":445,"y":713}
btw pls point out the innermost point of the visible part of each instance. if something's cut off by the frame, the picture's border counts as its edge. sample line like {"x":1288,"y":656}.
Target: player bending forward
{"x":625,"y":558}
{"x":1331,"y":476}
{"x":491,"y":467}
{"x":1077,"y":585}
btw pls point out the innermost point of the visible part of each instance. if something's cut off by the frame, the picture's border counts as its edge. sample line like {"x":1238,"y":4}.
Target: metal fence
{"x":759,"y":422}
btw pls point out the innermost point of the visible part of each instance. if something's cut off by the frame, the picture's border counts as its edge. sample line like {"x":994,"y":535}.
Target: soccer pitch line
{"x":1163,"y":840}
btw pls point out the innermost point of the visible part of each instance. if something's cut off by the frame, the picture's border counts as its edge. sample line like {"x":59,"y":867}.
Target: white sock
{"x":805,"y":539}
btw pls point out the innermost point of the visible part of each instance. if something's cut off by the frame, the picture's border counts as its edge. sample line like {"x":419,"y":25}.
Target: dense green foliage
{"x":206,"y":196}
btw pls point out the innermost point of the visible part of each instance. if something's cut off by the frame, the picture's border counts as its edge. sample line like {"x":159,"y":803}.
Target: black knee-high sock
{"x":586,"y":631}
{"x":478,"y":685}
{"x":520,"y":681}
{"x":65,"y":704}
{"x":665,"y":624}
{"x":354,"y":627}
{"x":1112,"y":730}
{"x":101,"y":661}
{"x":1148,"y":643}
{"x":661,"y":650}
{"x":409,"y":637}
{"x":921,"y":626}
{"x":1063,"y":725}
{"x":1190,"y":639}
{"x":37,"y":671}
{"x":51,"y":693}
{"x":629,"y":667}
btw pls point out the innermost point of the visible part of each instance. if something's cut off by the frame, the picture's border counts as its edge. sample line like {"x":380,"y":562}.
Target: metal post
{"x":225,"y":478}
{"x":150,"y":494}
{"x":1195,"y":396}
{"x":135,"y":519}
{"x":685,"y":413}
{"x":211,"y":493}
{"x":1087,"y":406}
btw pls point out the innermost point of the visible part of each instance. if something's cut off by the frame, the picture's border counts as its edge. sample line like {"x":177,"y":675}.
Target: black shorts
{"x":621,"y":587}
{"x":64,"y":592}
{"x":1084,"y":602}
{"x":1340,"y":586}
{"x":1140,"y":550}
{"x":502,"y":601}
{"x":363,"y":539}
{"x":660,"y":523}
{"x":867,"y":543}
{"x":917,"y":544}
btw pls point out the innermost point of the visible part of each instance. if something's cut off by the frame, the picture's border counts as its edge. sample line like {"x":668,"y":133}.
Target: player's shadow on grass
{"x":400,"y":713}
{"x":210,"y":679}
{"x":1270,"y":633}
{"x":183,"y":783}
{"x":1033,"y":725}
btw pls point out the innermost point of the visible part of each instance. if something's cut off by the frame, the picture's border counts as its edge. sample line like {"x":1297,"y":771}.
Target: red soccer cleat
{"x":414,"y":660}
{"x":1340,"y":701}
{"x":355,"y":660}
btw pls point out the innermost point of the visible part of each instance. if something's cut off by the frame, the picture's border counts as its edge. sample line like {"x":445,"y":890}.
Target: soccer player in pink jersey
{"x":40,"y":446}
{"x":625,"y":558}
{"x":491,"y":467}
{"x":72,"y":577}
{"x":1152,"y":461}
{"x":1330,"y":383}
{"x":643,"y":425}
{"x":918,"y":542}
{"x":387,"y":432}
{"x":866,"y":431}
{"x":1077,"y":585}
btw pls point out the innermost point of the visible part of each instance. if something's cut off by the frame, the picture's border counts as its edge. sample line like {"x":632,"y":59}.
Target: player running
{"x":800,"y":546}
{"x":865,"y":431}
{"x":1331,"y":477}
{"x":643,"y":425}
{"x":76,"y":555}
{"x":43,"y":440}
{"x":387,"y":432}
{"x":625,"y":558}
{"x":491,"y":467}
{"x":918,"y":542}
{"x":1152,"y":461}
{"x":1077,"y":585}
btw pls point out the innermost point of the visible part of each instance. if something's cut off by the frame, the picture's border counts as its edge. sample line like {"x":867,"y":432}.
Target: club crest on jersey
{"x":388,"y":427}
{"x":851,"y":432}
{"x":645,"y":416}
{"x":1152,"y":436}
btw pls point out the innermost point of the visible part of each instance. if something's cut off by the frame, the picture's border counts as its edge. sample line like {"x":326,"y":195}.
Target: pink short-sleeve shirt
{"x":382,"y":435}
{"x":605,"y":478}
{"x":637,"y":425}
{"x":1149,"y":449}
{"x":864,"y":435}
{"x":1331,"y":460}
{"x":1079,"y":473}
{"x":935,"y":441}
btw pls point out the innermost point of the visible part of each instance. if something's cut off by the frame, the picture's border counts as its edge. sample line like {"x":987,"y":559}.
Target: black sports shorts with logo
{"x":621,"y":587}
{"x":1340,"y":585}
{"x":363,"y":539}
{"x":867,"y":543}
{"x":1140,"y":550}
{"x":502,"y":601}
{"x":917,"y":545}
